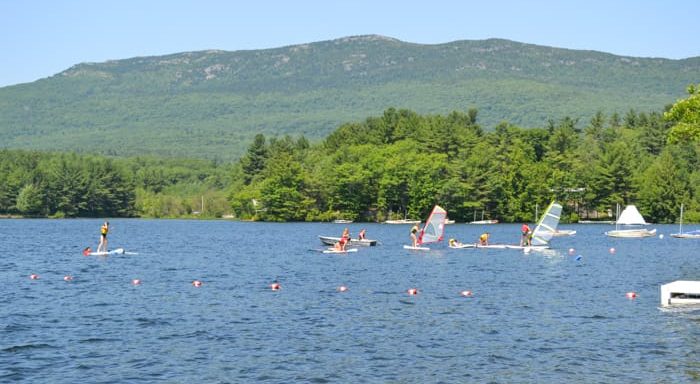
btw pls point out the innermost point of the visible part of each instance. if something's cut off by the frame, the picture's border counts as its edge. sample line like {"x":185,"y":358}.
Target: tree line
{"x":395,"y":165}
{"x":401,"y":163}
{"x":41,"y":184}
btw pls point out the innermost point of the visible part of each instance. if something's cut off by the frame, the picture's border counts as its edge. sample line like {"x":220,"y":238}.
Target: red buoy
{"x":466,"y":293}
{"x":67,"y":278}
{"x":631,"y":295}
{"x":34,"y":276}
{"x":412,"y":291}
{"x":197,"y":283}
{"x":275,"y":286}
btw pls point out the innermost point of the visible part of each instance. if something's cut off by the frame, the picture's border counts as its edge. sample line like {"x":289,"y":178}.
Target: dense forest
{"x":392,"y":166}
{"x":210,"y":104}
{"x":37,"y":184}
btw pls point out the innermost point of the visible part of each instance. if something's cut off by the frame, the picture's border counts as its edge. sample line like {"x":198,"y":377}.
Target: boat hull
{"x":631,"y":233}
{"x":402,"y":221}
{"x":329,"y":240}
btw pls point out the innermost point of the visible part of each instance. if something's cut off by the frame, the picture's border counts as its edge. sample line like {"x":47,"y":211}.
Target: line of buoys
{"x":276,"y":286}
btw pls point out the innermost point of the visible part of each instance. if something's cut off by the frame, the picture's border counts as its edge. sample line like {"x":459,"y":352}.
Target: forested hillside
{"x":394,"y":165}
{"x":210,"y":104}
{"x":402,"y":163}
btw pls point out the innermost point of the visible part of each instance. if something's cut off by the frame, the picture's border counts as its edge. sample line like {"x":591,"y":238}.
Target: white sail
{"x":547,"y":226}
{"x":631,"y":216}
{"x":435,"y":226}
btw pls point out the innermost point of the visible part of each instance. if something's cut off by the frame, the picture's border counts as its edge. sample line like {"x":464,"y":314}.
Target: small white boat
{"x":687,"y":235}
{"x":342,"y":221}
{"x":448,"y":221}
{"x":596,"y":222}
{"x":680,"y":292}
{"x":564,"y":232}
{"x":632,"y":233}
{"x":330,"y":240}
{"x":484,"y":222}
{"x":402,"y":221}
{"x":630,"y":216}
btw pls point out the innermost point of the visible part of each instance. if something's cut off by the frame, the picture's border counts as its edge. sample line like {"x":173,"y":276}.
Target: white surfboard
{"x":337,"y":251}
{"x":416,"y":248}
{"x":117,"y":251}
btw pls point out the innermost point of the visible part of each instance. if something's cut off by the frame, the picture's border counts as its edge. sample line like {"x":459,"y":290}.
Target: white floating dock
{"x":680,"y":292}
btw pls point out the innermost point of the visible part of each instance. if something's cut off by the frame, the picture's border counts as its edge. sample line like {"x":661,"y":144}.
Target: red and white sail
{"x":434,"y":228}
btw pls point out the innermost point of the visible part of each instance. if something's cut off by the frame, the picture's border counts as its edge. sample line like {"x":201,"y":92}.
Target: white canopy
{"x":631,"y":216}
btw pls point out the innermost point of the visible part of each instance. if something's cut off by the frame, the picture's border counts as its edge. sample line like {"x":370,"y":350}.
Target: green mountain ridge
{"x":211,"y":103}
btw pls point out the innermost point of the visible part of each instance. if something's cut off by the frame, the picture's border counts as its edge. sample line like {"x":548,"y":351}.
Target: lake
{"x":538,"y":317}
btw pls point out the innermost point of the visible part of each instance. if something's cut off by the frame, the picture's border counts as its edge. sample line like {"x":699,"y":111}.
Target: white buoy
{"x":661,"y":236}
{"x":612,"y":250}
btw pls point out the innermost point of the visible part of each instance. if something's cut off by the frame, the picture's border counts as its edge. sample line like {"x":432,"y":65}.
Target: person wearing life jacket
{"x":102,"y":247}
{"x":525,"y":238}
{"x":484,"y":238}
{"x":344,"y":238}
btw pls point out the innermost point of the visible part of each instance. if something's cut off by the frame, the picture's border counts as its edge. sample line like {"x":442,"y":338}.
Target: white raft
{"x":680,"y":292}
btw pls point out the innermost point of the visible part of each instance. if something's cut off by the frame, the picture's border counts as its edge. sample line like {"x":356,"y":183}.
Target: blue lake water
{"x":553,"y":317}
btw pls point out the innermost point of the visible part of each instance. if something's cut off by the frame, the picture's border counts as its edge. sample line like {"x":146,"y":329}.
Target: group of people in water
{"x":345,"y":239}
{"x":525,"y":238}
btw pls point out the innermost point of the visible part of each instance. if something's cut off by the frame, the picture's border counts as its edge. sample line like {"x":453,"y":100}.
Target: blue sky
{"x":41,"y":38}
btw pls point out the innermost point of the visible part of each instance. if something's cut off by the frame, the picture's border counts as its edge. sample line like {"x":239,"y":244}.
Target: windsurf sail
{"x":434,"y":227}
{"x":547,"y":226}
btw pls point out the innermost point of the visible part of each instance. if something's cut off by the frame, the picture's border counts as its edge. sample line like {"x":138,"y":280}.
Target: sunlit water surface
{"x":555,"y":317}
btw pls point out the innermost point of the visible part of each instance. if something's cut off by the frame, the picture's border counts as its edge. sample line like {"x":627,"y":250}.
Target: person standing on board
{"x":525,"y":238}
{"x":414,"y":235}
{"x":344,"y":238}
{"x":102,"y":247}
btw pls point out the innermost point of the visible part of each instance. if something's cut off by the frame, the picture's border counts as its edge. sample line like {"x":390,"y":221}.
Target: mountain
{"x":211,"y":103}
